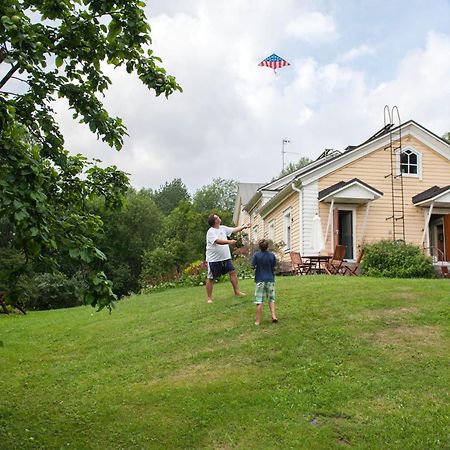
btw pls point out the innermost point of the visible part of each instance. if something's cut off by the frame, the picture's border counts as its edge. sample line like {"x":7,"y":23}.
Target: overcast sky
{"x":348,"y":59}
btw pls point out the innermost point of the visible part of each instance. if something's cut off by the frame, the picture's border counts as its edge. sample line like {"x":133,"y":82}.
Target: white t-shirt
{"x":217,"y":252}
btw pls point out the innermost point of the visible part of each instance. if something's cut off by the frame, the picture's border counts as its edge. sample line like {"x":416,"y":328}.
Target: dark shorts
{"x":219,"y":268}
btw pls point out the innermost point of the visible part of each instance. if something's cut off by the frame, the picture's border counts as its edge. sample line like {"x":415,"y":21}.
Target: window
{"x":410,"y":162}
{"x":271,"y":230}
{"x":287,"y":229}
{"x":255,"y":233}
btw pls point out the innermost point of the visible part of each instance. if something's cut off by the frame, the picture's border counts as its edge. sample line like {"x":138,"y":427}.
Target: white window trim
{"x":271,"y":230}
{"x":287,"y":213}
{"x":255,"y":230}
{"x":419,"y":163}
{"x":349,"y":207}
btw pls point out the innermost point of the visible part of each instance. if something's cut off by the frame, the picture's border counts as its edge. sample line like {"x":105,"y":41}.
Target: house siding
{"x":256,"y":221}
{"x":372,"y":170}
{"x":309,"y":209}
{"x":277,"y":214}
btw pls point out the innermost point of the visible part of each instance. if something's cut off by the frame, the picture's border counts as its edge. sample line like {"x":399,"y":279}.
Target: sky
{"x":349,"y":58}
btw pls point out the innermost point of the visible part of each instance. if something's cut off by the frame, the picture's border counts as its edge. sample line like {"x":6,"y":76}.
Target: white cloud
{"x":312,"y":26}
{"x":356,"y":52}
{"x":232,"y":115}
{"x":421,"y":87}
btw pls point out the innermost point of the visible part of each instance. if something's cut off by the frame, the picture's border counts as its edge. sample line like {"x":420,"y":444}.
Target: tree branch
{"x":9,"y":93}
{"x":21,"y":79}
{"x":9,"y":75}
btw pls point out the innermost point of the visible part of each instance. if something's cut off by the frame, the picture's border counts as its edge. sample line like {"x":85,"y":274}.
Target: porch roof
{"x":439,"y":196}
{"x":352,"y":191}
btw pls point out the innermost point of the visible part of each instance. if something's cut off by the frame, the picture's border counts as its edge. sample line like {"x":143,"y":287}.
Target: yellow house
{"x":395,"y":185}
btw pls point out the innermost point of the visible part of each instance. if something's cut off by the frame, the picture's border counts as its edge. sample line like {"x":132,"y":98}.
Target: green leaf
{"x":74,"y":253}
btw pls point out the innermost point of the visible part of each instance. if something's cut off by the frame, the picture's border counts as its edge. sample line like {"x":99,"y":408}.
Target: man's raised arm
{"x":243,"y":227}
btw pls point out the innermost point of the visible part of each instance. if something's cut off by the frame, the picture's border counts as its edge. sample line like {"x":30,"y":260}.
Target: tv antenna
{"x":285,"y":141}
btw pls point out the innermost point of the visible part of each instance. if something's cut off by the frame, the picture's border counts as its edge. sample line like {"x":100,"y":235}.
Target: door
{"x":345,"y":227}
{"x":447,"y":236}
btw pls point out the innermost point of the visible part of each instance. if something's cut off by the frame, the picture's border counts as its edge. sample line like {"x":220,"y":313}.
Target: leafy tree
{"x":128,"y":233}
{"x":170,"y":194}
{"x":292,"y":167}
{"x":57,"y":47}
{"x":189,"y":227}
{"x":220,"y":194}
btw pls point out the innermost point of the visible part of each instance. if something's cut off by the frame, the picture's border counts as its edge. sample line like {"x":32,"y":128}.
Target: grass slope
{"x":353,"y":362}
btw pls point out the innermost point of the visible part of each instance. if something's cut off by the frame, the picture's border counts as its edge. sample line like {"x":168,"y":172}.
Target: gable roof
{"x":247,"y":191}
{"x":341,"y":185}
{"x":430,"y":194}
{"x":376,"y":141}
{"x":331,"y":162}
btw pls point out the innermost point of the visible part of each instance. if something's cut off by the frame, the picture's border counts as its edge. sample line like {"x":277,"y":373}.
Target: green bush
{"x":243,"y":267}
{"x":396,"y":260}
{"x":243,"y":257}
{"x":52,"y":291}
{"x":158,"y":266}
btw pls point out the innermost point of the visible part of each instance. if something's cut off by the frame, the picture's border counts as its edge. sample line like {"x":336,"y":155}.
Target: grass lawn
{"x":353,"y":362}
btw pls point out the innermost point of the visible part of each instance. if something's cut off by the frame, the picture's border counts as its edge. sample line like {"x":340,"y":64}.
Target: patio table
{"x":317,"y":262}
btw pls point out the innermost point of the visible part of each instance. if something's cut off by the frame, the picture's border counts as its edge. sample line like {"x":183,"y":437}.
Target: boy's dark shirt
{"x":264,"y":263}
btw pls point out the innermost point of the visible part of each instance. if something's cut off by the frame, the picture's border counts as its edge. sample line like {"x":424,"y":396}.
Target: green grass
{"x":353,"y":362}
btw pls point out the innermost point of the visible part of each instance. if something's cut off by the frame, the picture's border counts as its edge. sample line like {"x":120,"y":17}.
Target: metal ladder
{"x":397,"y":195}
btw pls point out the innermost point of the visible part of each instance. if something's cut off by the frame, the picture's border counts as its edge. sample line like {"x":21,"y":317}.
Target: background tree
{"x":128,"y":233}
{"x":181,"y":242}
{"x":170,"y":194}
{"x":292,"y":167}
{"x":57,"y":49}
{"x":219,"y":195}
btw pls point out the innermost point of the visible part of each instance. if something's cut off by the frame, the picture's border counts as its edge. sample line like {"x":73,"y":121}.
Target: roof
{"x":247,"y":191}
{"x":330,"y":154}
{"x":430,"y":193}
{"x":342,"y":184}
{"x":329,"y":159}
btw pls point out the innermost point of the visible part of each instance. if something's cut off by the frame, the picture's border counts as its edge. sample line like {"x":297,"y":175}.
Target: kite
{"x":274,"y":62}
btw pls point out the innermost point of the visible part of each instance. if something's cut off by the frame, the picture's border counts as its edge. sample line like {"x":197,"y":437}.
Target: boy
{"x":264,"y":264}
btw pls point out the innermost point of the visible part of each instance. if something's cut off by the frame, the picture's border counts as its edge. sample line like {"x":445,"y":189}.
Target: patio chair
{"x":335,"y":265}
{"x":445,"y":272}
{"x":353,"y":269}
{"x":299,"y":265}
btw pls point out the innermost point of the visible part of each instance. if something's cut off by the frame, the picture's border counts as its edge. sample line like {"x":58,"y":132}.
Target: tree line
{"x":151,"y":237}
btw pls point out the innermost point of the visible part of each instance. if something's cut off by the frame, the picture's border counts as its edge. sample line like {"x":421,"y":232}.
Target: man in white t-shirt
{"x":218,"y":255}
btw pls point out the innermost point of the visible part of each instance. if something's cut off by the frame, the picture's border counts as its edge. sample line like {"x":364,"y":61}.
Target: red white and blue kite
{"x":274,"y":62}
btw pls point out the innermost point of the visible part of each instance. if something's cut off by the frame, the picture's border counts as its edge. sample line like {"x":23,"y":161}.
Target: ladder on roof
{"x":396,"y":175}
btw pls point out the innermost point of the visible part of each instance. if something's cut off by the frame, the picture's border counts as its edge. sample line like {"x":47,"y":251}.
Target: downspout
{"x":300,"y":217}
{"x":363,"y":230}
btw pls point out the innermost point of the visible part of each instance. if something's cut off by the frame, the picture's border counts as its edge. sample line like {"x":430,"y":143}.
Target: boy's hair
{"x":211,"y":220}
{"x":263,"y":245}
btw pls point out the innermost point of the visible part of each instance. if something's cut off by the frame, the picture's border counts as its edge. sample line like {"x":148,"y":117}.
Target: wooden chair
{"x":299,"y":266}
{"x":445,"y":272}
{"x":335,"y":265}
{"x":354,"y":268}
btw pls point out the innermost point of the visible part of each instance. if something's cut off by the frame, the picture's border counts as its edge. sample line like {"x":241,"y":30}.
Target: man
{"x":218,"y":255}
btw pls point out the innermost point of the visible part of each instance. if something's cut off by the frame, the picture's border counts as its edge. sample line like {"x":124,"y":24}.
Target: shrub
{"x":243,"y":257}
{"x":159,"y":265}
{"x":52,"y":291}
{"x":243,"y":267}
{"x":396,"y":260}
